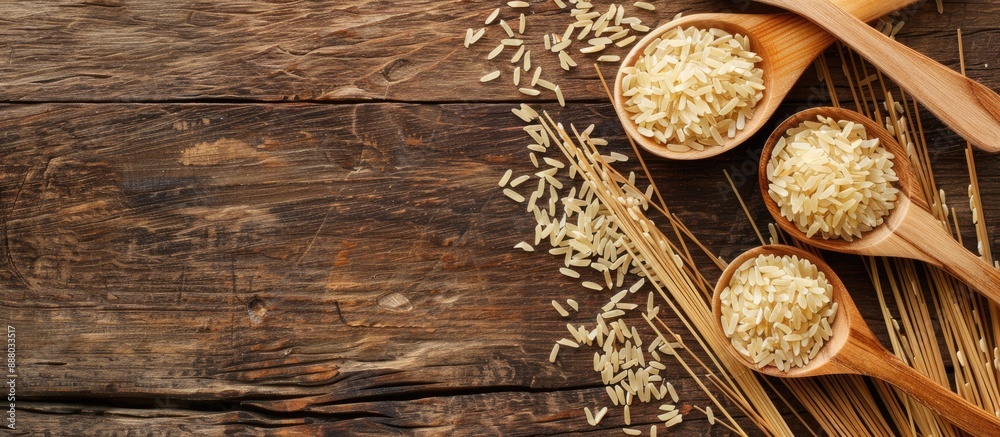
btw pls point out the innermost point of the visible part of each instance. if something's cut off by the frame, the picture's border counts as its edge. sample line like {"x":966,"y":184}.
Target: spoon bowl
{"x":909,"y":193}
{"x":909,"y":231}
{"x":786,"y":43}
{"x":853,"y":349}
{"x":847,"y":315}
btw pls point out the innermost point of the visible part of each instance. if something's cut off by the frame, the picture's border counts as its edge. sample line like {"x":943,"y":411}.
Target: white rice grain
{"x":519,"y":180}
{"x":524,"y":246}
{"x":830,"y":180}
{"x":507,"y":29}
{"x":513,"y":195}
{"x":506,"y":177}
{"x":688,"y":82}
{"x":600,"y":415}
{"x":796,"y":299}
{"x":569,"y":272}
{"x":559,"y":308}
{"x":495,"y":52}
{"x":493,"y":16}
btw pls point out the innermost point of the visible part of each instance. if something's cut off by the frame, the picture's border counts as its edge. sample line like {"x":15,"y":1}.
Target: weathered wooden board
{"x":340,"y":266}
{"x":282,"y":264}
{"x":142,"y":50}
{"x":306,"y":259}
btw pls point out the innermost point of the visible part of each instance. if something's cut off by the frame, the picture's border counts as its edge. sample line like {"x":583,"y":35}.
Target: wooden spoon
{"x":909,"y":231}
{"x":969,"y":108}
{"x":853,"y":349}
{"x":788,"y":45}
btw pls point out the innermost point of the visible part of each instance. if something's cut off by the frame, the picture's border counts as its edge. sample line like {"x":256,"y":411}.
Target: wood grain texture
{"x":328,"y":262}
{"x":294,"y":259}
{"x":262,"y":267}
{"x":939,"y":88}
{"x":141,"y":50}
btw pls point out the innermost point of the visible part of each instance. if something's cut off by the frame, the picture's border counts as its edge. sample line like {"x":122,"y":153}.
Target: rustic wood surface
{"x":282,"y":217}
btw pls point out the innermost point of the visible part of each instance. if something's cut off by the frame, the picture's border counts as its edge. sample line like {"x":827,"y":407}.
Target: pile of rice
{"x":693,"y":88}
{"x":828,"y":178}
{"x":777,"y":311}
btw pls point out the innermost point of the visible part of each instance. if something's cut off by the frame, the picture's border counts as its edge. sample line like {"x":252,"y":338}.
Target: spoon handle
{"x":925,"y":236}
{"x":960,"y":412}
{"x":965,"y":105}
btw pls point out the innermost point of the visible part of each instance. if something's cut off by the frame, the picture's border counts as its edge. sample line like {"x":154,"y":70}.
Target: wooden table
{"x":282,"y":217}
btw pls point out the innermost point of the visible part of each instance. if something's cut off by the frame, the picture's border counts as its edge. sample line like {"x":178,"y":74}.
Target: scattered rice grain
{"x":559,"y":308}
{"x":495,"y":52}
{"x":493,"y":16}
{"x":505,"y":178}
{"x":507,"y":29}
{"x":569,"y":272}
{"x":600,"y":415}
{"x":513,"y":195}
{"x":519,"y":180}
{"x":490,"y":76}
